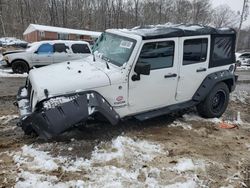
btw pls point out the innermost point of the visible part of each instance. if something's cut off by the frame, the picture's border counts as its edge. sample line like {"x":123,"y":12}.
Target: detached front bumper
{"x":48,"y":123}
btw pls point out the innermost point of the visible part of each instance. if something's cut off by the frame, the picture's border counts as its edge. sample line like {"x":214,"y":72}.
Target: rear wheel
{"x":215,"y":103}
{"x":20,"y":67}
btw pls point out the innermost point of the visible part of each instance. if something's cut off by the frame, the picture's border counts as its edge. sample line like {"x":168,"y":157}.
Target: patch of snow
{"x":181,"y":124}
{"x":188,"y":184}
{"x":188,"y":165}
{"x":241,"y":68}
{"x":6,"y":119}
{"x":24,"y":92}
{"x":41,"y":181}
{"x":142,"y":150}
{"x":9,"y":73}
{"x":240,"y":96}
{"x":118,"y":163}
{"x":120,"y":151}
{"x":35,"y":159}
{"x":195,"y":117}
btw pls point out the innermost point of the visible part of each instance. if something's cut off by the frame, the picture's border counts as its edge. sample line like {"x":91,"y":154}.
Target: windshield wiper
{"x":93,"y":56}
{"x":106,"y":61}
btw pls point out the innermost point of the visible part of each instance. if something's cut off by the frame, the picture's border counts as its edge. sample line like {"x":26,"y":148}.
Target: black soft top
{"x":181,"y":30}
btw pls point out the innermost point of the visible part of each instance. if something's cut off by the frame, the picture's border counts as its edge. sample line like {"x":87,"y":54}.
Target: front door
{"x":193,"y":69}
{"x":157,"y":89}
{"x":43,"y":55}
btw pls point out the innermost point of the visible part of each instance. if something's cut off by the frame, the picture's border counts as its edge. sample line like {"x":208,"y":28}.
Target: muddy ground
{"x":220,"y":157}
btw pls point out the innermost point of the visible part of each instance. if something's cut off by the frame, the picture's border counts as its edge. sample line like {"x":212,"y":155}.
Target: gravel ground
{"x":168,"y":151}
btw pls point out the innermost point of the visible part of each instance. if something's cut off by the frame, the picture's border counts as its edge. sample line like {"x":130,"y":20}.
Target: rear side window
{"x":223,"y":48}
{"x":60,"y":47}
{"x":45,"y":49}
{"x":195,"y":51}
{"x":80,"y":48}
{"x":158,"y":54}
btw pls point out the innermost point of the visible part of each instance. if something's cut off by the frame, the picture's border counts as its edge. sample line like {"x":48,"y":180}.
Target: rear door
{"x":79,"y":50}
{"x":43,"y":55}
{"x":61,"y":52}
{"x":194,"y":62}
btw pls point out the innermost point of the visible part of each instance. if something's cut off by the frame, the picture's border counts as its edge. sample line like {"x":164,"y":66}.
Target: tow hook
{"x":15,"y":103}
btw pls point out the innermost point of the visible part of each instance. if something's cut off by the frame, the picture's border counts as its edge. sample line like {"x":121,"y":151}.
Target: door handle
{"x":201,"y":70}
{"x":170,"y":76}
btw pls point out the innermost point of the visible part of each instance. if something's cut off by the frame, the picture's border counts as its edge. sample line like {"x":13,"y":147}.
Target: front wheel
{"x":215,"y":103}
{"x":19,"y":67}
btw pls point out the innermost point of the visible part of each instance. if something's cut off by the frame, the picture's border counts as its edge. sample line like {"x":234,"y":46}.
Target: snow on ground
{"x":182,"y":124}
{"x":242,"y":68}
{"x":9,"y":73}
{"x":6,"y":119}
{"x":240,"y":96}
{"x":119,"y":163}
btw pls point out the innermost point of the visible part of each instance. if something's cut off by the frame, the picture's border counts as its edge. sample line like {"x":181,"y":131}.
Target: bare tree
{"x":243,"y":17}
{"x":223,"y":16}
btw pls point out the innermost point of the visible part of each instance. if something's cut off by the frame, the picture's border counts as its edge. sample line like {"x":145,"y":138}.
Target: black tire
{"x":28,"y":130}
{"x":238,"y":63}
{"x":20,"y":67}
{"x":215,"y":104}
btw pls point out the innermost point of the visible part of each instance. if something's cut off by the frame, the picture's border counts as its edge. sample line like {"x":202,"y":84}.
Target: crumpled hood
{"x":63,"y":78}
{"x":13,"y":52}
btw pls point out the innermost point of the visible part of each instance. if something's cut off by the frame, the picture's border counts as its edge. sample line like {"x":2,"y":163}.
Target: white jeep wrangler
{"x":46,"y":53}
{"x":142,"y":72}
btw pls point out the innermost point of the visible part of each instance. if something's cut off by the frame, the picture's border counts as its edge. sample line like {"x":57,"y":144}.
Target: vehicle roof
{"x":176,"y":30}
{"x":60,"y":41}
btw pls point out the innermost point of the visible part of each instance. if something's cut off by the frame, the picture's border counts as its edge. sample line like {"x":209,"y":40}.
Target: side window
{"x":45,"y":49}
{"x":60,"y":47}
{"x":245,"y":56}
{"x":158,"y":54}
{"x":195,"y":51}
{"x":222,"y":48}
{"x":80,"y":48}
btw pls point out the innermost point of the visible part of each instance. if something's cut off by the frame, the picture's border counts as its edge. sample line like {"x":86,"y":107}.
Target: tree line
{"x":98,"y":15}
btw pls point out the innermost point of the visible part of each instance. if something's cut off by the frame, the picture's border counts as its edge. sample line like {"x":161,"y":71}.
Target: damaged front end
{"x":55,"y":115}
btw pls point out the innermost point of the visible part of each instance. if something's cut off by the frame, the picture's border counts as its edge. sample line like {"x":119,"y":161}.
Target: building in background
{"x":36,"y":33}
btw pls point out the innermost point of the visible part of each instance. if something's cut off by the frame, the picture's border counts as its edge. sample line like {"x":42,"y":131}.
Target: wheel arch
{"x":211,"y":80}
{"x":19,"y":59}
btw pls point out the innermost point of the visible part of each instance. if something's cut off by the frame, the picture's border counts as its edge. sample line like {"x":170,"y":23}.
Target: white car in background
{"x":45,"y":53}
{"x":243,"y":59}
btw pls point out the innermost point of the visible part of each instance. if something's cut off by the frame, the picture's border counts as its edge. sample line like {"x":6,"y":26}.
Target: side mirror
{"x":141,"y":68}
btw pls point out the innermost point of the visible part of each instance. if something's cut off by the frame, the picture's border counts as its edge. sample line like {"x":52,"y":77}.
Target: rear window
{"x":80,"y":48}
{"x":60,"y":47}
{"x":223,"y":48}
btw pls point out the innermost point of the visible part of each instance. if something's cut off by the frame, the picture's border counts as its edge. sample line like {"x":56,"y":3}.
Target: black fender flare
{"x":51,"y":122}
{"x":211,"y":80}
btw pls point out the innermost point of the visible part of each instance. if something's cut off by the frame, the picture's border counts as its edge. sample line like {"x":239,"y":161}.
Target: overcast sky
{"x":236,"y":5}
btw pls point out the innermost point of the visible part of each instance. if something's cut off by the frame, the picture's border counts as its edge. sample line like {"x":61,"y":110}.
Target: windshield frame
{"x":134,"y":41}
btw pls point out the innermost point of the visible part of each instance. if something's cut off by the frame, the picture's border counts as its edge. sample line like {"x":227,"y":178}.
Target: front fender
{"x":51,"y":122}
